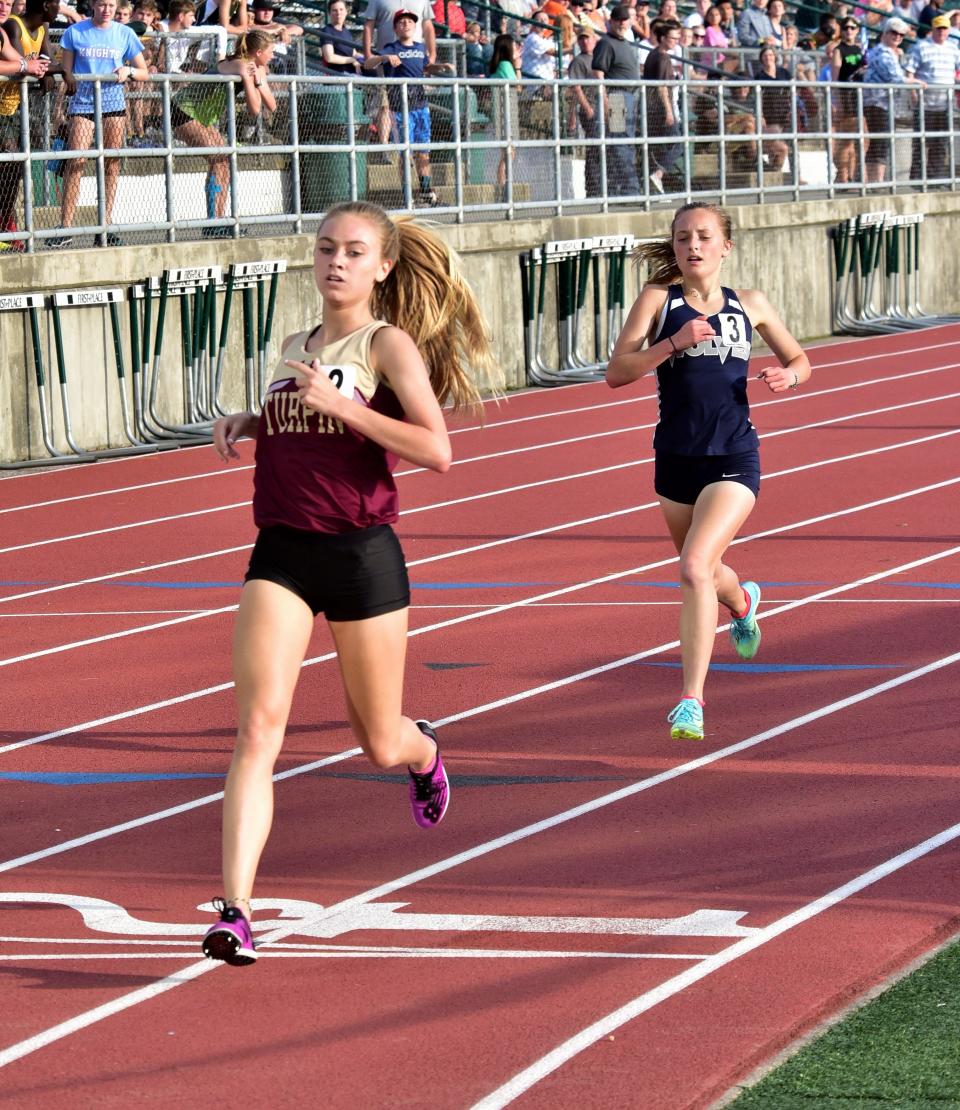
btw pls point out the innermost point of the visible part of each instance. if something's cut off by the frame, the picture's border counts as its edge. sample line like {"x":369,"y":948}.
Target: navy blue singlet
{"x":702,"y":390}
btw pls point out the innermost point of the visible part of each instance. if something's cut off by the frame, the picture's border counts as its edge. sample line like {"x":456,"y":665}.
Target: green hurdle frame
{"x":576,"y":265}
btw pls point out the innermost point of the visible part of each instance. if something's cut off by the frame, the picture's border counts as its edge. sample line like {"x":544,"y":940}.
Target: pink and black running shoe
{"x":230,"y":939}
{"x":429,"y":790}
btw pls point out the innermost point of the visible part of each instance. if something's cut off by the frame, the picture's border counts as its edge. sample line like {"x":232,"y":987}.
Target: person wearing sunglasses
{"x":883,"y":68}
{"x":847,"y":63}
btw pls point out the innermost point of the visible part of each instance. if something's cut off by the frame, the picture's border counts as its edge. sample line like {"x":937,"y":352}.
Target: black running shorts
{"x":683,"y":478}
{"x":349,"y":576}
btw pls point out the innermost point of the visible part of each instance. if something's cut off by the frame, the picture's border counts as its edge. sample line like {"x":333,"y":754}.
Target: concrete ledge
{"x":780,"y":248}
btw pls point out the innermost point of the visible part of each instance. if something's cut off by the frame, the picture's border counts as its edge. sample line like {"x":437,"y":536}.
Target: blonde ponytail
{"x":427,"y":297}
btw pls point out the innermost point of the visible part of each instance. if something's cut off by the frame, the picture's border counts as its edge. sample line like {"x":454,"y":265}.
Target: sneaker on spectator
{"x":230,"y":939}
{"x":427,"y":199}
{"x":111,"y":239}
{"x":60,"y":241}
{"x":429,"y":790}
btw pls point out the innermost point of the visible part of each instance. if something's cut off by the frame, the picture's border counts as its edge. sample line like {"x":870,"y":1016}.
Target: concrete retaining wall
{"x":782,"y":249}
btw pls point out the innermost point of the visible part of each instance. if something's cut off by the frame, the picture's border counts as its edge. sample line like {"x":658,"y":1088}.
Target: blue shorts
{"x":683,"y":478}
{"x":419,"y":126}
{"x":348,"y":576}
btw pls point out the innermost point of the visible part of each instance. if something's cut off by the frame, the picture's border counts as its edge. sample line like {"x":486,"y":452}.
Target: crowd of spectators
{"x":771,"y":61}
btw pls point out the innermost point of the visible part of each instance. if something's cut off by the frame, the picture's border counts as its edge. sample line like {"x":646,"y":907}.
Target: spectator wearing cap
{"x":615,"y":59}
{"x":378,"y":33}
{"x":406,"y":59}
{"x":883,"y":68}
{"x":928,"y":13}
{"x":337,"y":47}
{"x":754,"y":27}
{"x":585,"y":103}
{"x":264,"y":13}
{"x":933,"y":60}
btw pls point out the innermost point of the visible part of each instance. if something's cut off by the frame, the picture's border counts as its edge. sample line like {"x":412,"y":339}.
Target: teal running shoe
{"x":744,"y":631}
{"x":686,"y":720}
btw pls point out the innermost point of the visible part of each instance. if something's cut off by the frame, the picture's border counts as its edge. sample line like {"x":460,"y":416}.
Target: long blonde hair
{"x":427,"y":297}
{"x":249,"y":43}
{"x":660,"y":257}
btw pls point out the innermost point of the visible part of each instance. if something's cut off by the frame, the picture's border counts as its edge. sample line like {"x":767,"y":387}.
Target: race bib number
{"x":732,"y":330}
{"x":343,"y":377}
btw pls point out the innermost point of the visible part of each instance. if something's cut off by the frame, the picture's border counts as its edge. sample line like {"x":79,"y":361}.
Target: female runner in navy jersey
{"x":349,"y":397}
{"x":695,"y":335}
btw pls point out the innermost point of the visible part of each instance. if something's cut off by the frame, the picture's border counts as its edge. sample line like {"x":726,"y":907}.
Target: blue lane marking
{"x":95,"y":778}
{"x":130,"y":584}
{"x":786,"y":668}
{"x":930,"y":585}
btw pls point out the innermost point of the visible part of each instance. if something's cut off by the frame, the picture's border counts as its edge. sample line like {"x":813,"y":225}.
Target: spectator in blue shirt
{"x":97,"y":46}
{"x":337,"y":47}
{"x":407,"y":59}
{"x":883,"y":68}
{"x":754,"y":27}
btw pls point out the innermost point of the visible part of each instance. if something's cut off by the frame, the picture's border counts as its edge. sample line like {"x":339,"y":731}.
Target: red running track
{"x":607,"y":917}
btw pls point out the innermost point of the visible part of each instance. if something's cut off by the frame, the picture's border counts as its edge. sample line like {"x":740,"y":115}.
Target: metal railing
{"x":498,"y":150}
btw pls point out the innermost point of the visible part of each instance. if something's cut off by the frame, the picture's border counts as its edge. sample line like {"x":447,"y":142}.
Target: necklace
{"x":696,"y":295}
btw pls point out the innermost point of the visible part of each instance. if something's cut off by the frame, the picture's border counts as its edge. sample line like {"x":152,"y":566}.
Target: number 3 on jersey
{"x":343,"y":377}
{"x":731,"y":329}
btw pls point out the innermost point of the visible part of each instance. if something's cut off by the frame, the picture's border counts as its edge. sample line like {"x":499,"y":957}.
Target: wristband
{"x":23,"y":66}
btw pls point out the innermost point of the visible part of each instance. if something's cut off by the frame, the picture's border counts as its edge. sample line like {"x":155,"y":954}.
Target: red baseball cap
{"x":404,"y":13}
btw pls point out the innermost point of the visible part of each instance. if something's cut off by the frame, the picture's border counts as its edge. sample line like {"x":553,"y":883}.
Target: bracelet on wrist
{"x":673,"y":345}
{"x":23,"y":66}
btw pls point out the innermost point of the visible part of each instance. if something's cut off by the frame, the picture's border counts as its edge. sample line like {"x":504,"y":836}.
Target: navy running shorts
{"x":683,"y":478}
{"x":349,"y":576}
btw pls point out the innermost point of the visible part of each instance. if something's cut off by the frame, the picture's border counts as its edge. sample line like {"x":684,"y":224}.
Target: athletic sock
{"x":691,"y":697}
{"x":746,"y":598}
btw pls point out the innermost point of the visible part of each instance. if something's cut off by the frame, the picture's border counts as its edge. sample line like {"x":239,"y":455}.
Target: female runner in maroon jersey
{"x":351,"y":396}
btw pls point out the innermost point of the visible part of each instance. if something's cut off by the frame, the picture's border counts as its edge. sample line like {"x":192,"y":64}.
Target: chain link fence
{"x":468,"y":150}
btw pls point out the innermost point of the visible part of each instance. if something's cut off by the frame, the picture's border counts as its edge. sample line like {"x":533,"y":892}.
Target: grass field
{"x":900,"y":1050}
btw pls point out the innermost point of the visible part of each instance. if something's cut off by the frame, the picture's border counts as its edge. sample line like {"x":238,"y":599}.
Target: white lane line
{"x":195,"y":615}
{"x":356,"y":953}
{"x":488,"y":494}
{"x":602,"y":580}
{"x":461,"y":551}
{"x":125,"y":527}
{"x":193,"y":971}
{"x":588,"y":1036}
{"x":511,"y":699}
{"x":792,"y":399}
{"x":525,"y":450}
{"x":139,"y":487}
